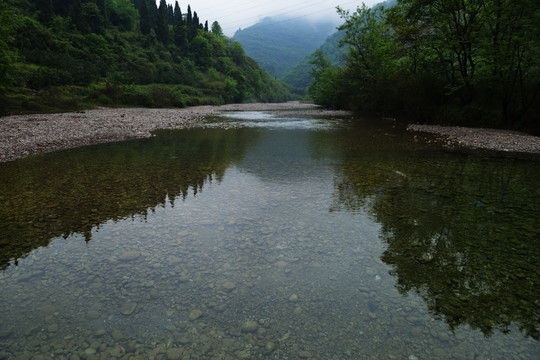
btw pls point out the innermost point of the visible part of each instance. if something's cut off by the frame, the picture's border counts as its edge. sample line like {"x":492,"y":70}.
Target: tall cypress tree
{"x":177,"y":13}
{"x":170,"y":15}
{"x":162,"y":26}
{"x":144,"y":18}
{"x":180,"y":37}
{"x":193,"y":26}
{"x":152,"y":11}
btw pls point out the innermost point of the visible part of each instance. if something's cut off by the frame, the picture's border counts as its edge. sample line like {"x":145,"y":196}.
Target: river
{"x":267,"y":237}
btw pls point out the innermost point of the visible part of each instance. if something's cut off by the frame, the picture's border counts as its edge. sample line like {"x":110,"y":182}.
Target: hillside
{"x":278,"y":44}
{"x":59,"y":55}
{"x":299,"y":76}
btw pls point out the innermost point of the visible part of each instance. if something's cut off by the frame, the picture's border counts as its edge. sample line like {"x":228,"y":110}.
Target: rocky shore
{"x":25,"y":135}
{"x":488,"y":139}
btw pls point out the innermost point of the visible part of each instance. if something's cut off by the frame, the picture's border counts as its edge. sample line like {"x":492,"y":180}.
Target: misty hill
{"x":299,"y":75}
{"x":278,"y":44}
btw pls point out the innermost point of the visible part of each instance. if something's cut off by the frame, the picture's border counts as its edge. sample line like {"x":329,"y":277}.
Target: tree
{"x":170,"y":15}
{"x":90,"y":18}
{"x":370,"y":58}
{"x":216,"y":29}
{"x":7,"y":53}
{"x":201,"y":51}
{"x":180,"y":33}
{"x":326,"y":88}
{"x":46,"y":11}
{"x":189,"y":16}
{"x":177,"y":13}
{"x":145,"y":23}
{"x":162,"y":27}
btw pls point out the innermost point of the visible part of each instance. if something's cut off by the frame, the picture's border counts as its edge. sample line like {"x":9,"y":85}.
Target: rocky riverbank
{"x":488,"y":139}
{"x":25,"y":135}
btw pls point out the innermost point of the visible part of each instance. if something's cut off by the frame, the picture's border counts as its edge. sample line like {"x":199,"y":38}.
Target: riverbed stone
{"x":228,"y":286}
{"x":128,"y":308}
{"x":195,"y":314}
{"x":129,"y":255}
{"x":175,"y":354}
{"x":249,"y":326}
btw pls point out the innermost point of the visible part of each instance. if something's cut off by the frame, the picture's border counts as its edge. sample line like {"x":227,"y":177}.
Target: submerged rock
{"x":249,"y":326}
{"x":195,"y":314}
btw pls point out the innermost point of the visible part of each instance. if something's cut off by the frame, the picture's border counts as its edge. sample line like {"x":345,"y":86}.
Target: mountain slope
{"x":299,"y":75}
{"x":57,"y":55}
{"x":278,"y":44}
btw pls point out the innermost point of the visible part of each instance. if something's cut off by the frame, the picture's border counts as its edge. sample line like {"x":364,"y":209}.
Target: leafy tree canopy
{"x":88,"y":45}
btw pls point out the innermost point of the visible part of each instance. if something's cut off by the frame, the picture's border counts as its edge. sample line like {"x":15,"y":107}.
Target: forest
{"x":459,"y":62}
{"x":58,"y":55}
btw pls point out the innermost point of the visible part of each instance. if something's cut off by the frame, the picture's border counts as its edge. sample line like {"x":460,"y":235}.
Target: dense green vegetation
{"x":452,"y":61}
{"x":299,"y":77}
{"x":278,"y":44}
{"x":67,"y":54}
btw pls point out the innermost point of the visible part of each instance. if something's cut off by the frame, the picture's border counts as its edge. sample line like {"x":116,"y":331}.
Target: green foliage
{"x":121,"y":42}
{"x":460,"y":62}
{"x":216,"y":29}
{"x":8,"y":54}
{"x":327,"y":89}
{"x":299,"y":76}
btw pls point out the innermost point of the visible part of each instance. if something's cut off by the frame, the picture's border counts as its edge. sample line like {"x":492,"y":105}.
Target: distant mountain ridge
{"x":279,"y":43}
{"x":299,"y":76}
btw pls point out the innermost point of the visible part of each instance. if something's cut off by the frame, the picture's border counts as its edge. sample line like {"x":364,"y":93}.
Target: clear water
{"x":279,"y":238}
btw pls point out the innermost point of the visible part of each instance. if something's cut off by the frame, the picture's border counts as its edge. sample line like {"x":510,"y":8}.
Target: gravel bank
{"x":25,"y":135}
{"x":488,"y":139}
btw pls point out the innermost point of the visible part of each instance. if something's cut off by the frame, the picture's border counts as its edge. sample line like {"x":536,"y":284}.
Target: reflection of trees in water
{"x":74,"y":191}
{"x":460,"y":231}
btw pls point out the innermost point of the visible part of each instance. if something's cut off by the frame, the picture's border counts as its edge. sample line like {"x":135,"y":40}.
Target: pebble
{"x":117,"y":335}
{"x":129,"y":255}
{"x":195,"y":314}
{"x":270,"y":346}
{"x":228,"y":286}
{"x":128,"y":308}
{"x":249,"y":326}
{"x":53,"y":328}
{"x":175,"y":354}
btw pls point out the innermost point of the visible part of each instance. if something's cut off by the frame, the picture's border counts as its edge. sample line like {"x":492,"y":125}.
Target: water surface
{"x":279,"y":238}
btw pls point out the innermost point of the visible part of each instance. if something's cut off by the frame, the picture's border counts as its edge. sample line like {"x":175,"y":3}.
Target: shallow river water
{"x":277,"y":238}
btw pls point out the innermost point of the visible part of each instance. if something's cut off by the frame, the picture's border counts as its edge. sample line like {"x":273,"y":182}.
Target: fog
{"x":240,"y":14}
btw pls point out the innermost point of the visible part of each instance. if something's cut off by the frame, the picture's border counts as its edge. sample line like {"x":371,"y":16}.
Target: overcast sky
{"x":235,"y":14}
